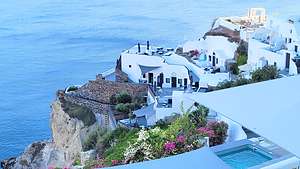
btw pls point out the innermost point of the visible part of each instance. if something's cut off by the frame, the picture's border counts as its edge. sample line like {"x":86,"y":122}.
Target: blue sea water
{"x":47,"y":45}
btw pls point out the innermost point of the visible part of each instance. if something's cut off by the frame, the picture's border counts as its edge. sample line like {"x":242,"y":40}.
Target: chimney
{"x":139,"y":48}
{"x":148,"y":45}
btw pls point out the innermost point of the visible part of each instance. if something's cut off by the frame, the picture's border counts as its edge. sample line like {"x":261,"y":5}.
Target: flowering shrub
{"x":183,"y":134}
{"x":206,"y":131}
{"x":169,"y":146}
{"x":180,"y":139}
{"x":220,"y":132}
{"x":140,"y":150}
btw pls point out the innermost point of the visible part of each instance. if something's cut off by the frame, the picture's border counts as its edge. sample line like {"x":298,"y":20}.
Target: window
{"x":180,"y":82}
{"x":209,"y":58}
{"x":129,"y":66}
{"x":214,"y":53}
{"x":290,"y":41}
{"x":291,"y":31}
{"x":275,"y":63}
{"x":144,"y":75}
{"x":167,"y":80}
{"x":296,"y":48}
{"x":217,"y":61}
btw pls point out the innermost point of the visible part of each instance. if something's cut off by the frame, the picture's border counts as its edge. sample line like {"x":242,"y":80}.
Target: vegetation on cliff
{"x":125,"y":103}
{"x":182,"y":134}
{"x":80,"y":112}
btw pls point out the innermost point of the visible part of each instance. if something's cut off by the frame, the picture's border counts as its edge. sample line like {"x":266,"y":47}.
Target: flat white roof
{"x":271,"y":109}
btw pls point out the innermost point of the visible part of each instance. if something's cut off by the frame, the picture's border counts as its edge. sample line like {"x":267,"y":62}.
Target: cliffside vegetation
{"x":80,"y":112}
{"x":125,"y":103}
{"x":181,"y":134}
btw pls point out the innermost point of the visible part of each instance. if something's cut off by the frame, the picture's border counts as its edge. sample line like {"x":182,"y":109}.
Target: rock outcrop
{"x":68,"y":133}
{"x":33,"y":157}
{"x":74,"y":116}
{"x":66,"y":145}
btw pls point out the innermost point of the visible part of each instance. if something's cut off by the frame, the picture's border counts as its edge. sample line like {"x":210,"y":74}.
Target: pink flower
{"x":114,"y":162}
{"x":169,"y":146}
{"x":207,"y":131}
{"x":180,"y":139}
{"x":51,"y":167}
{"x":99,"y":166}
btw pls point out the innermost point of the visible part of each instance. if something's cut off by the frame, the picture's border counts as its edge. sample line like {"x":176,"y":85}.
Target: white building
{"x":214,"y":51}
{"x":150,"y":67}
{"x":165,"y":69}
{"x":277,"y":44}
{"x":245,"y":25}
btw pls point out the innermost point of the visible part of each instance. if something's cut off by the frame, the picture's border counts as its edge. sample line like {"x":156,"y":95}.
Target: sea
{"x":46,"y":45}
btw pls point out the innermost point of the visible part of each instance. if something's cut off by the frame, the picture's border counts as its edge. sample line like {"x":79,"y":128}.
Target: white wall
{"x":257,"y":50}
{"x":180,"y":72}
{"x":134,"y":72}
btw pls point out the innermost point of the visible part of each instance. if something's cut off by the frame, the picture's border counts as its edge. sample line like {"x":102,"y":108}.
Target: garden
{"x":181,"y":134}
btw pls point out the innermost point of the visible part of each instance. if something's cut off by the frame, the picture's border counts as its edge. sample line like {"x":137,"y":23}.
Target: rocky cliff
{"x":74,"y":116}
{"x":68,"y":136}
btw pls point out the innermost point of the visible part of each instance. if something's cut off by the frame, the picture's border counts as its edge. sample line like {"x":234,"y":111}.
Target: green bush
{"x":234,"y":69}
{"x":238,"y":82}
{"x":181,"y":125}
{"x":122,"y":140}
{"x":198,"y":116}
{"x":242,"y":59}
{"x":94,"y":137}
{"x":123,"y":97}
{"x":125,"y":108}
{"x":80,"y":112}
{"x":265,"y":73}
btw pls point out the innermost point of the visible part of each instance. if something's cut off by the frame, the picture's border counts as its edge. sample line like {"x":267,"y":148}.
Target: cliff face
{"x":68,"y":137}
{"x":74,"y":116}
{"x":68,"y":133}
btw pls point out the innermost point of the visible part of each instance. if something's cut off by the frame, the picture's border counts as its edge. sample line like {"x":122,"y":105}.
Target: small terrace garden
{"x":169,"y":137}
{"x":125,"y":104}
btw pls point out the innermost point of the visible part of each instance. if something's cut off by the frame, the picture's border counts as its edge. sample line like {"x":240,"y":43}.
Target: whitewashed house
{"x":244,"y":25}
{"x":214,"y":51}
{"x":277,"y":44}
{"x":144,"y":65}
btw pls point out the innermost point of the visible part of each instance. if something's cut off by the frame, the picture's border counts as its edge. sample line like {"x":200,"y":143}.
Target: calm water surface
{"x":46,"y":45}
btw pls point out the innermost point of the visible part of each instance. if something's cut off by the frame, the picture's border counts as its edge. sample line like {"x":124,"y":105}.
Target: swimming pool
{"x":244,"y":157}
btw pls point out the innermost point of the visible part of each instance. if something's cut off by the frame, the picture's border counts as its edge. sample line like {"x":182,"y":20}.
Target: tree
{"x":123,"y":97}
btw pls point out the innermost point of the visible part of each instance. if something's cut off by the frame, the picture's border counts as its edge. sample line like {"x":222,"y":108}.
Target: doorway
{"x":185,"y":82}
{"x":174,"y":82}
{"x":214,"y":61}
{"x":150,"y":78}
{"x":160,"y":80}
{"x":287,"y":60}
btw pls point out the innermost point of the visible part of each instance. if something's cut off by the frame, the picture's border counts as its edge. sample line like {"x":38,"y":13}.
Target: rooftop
{"x":256,"y":105}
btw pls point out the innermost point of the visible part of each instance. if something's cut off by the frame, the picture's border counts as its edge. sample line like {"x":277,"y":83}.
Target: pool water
{"x":244,"y":157}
